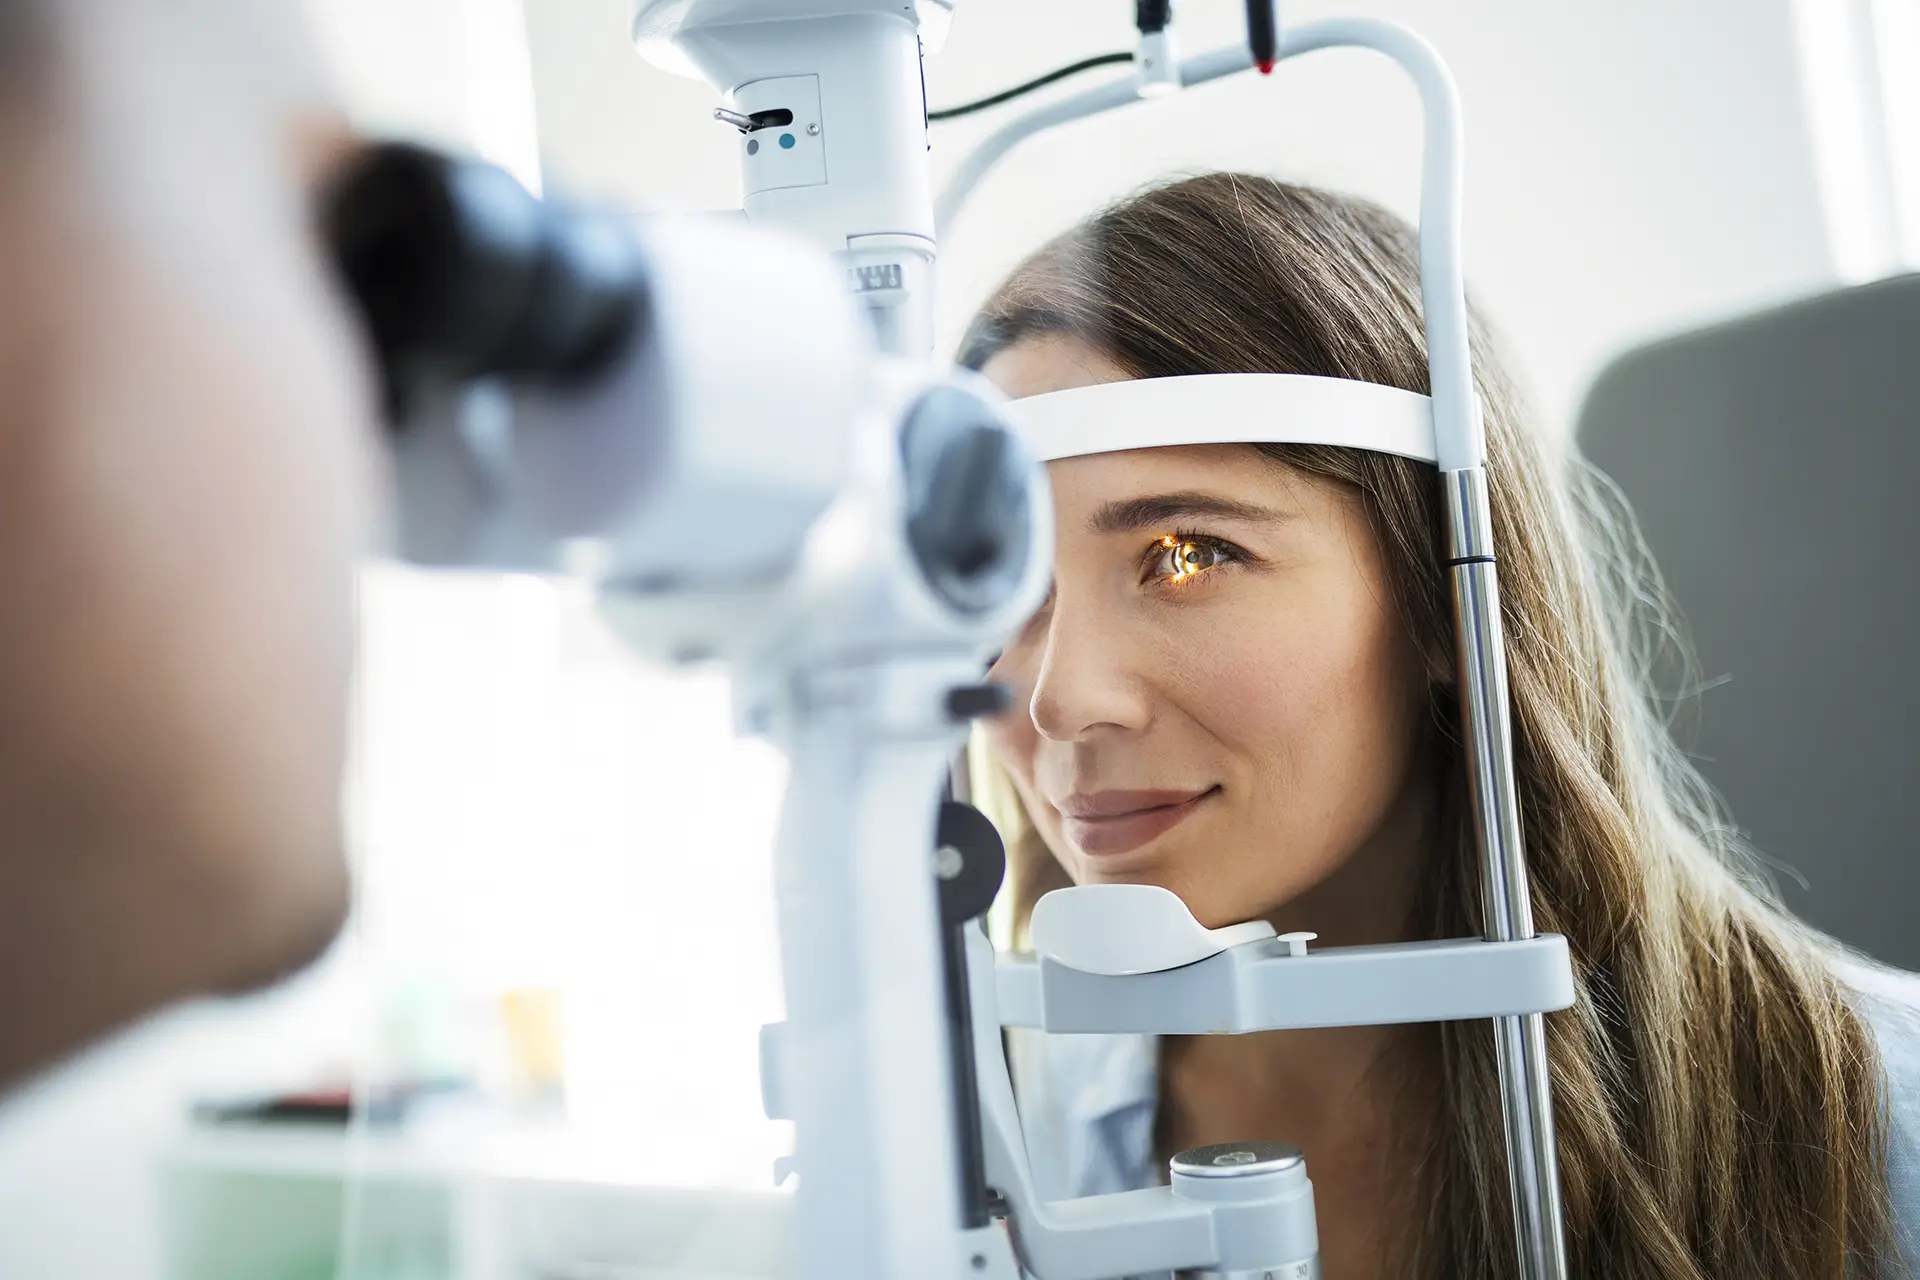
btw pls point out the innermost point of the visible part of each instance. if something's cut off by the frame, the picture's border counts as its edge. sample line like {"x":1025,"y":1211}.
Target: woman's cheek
{"x":1012,"y":731}
{"x":1010,"y":740}
{"x":1243,"y":675}
{"x":1294,"y":709}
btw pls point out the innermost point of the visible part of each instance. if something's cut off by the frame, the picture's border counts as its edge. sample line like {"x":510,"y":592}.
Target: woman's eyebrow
{"x":1131,"y":515}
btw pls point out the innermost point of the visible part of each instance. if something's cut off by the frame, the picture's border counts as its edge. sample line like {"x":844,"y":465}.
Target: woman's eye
{"x":1179,"y":559}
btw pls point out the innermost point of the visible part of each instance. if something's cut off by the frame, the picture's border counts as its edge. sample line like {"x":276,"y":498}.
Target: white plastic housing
{"x":850,"y":171}
{"x":1227,"y":408}
{"x":1260,"y":986}
{"x":702,"y":461}
{"x":865,"y":59}
{"x":854,"y":590}
{"x":788,"y":156}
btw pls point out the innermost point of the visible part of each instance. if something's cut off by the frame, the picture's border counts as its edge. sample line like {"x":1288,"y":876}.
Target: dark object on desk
{"x":386,"y":1106}
{"x":1774,"y":463}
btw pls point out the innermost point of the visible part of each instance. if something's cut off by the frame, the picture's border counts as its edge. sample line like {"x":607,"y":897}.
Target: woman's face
{"x":1219,"y":697}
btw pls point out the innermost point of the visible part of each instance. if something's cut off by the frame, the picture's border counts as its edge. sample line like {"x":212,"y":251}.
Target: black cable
{"x":1263,"y":34}
{"x":1020,"y":90}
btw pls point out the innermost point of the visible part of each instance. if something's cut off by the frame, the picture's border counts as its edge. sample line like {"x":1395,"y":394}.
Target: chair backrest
{"x":1774,"y":463}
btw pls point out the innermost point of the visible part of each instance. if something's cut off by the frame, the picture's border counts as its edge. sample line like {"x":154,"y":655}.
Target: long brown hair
{"x":1719,"y":1103}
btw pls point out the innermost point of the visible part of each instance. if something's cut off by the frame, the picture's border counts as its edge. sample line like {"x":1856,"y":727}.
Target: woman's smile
{"x":1106,"y":823}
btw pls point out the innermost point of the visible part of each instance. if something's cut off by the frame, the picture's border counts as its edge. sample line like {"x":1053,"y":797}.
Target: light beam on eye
{"x":1186,"y":555}
{"x":1180,"y":573}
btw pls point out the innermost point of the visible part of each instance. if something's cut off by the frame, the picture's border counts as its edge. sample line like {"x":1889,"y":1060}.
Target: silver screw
{"x":813,"y":131}
{"x":948,"y":862}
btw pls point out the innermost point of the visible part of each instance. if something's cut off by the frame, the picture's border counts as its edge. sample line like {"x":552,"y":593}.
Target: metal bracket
{"x":1261,"y":986}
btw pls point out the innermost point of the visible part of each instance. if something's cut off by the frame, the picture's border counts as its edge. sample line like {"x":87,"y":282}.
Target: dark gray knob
{"x":970,"y":862}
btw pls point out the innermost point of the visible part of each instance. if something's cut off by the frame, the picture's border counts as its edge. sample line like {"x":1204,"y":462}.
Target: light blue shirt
{"x":1087,"y":1102}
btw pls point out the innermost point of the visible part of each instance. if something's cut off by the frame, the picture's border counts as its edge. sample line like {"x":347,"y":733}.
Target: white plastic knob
{"x":1121,"y":929}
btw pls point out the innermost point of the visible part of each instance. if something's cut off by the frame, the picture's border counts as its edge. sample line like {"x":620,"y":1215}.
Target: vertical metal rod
{"x":968,"y":1144}
{"x":1486,"y":724}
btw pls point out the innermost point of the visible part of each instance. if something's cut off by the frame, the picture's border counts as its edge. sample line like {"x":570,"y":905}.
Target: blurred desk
{"x":461,"y":1202}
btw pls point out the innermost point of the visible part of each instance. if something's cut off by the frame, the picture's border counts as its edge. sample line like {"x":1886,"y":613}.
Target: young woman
{"x":1241,"y":689}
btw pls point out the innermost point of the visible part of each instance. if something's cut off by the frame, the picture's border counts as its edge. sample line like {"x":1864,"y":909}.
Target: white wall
{"x":1632,"y":166}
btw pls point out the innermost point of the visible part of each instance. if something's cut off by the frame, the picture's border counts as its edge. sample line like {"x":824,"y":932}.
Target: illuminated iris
{"x":1184,"y":559}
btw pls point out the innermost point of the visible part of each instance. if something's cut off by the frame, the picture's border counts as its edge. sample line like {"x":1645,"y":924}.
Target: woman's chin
{"x":1211,"y":908}
{"x":1142,"y":866}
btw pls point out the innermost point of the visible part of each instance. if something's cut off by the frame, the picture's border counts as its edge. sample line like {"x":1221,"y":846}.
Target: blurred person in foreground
{"x":185,"y":475}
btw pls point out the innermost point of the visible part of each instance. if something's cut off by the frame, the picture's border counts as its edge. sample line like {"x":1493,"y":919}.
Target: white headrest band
{"x":1226,"y":408}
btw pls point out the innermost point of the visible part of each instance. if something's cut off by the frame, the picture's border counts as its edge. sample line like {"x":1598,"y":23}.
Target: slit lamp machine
{"x":572,"y":391}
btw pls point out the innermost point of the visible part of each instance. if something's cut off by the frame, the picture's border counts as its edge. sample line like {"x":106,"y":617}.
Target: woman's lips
{"x":1110,"y":822}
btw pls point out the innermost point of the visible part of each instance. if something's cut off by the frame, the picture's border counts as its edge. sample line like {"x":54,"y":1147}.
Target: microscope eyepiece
{"x":459,"y":272}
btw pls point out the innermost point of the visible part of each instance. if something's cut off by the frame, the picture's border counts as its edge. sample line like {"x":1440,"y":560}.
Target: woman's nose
{"x":1086,"y":682}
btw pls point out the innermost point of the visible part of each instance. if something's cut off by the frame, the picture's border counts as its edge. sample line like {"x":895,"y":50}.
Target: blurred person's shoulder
{"x":1889,"y":1001}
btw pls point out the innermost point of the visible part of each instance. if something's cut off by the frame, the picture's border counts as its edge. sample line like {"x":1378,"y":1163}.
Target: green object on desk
{"x":237,"y":1223}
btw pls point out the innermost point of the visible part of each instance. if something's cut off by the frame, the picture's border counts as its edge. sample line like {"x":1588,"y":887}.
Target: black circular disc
{"x":970,"y":888}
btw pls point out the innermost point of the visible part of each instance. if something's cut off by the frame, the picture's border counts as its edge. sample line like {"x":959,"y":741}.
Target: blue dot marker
{"x":753,"y":146}
{"x":786,"y":142}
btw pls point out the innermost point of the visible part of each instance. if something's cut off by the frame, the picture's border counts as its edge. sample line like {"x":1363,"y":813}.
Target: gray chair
{"x":1774,"y":463}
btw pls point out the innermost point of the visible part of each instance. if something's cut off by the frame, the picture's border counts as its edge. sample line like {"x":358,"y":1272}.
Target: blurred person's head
{"x":184,"y":473}
{"x":1242,"y":689}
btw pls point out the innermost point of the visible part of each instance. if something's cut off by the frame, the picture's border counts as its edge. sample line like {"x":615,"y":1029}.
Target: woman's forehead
{"x":1087,"y":485}
{"x":1051,"y":362}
